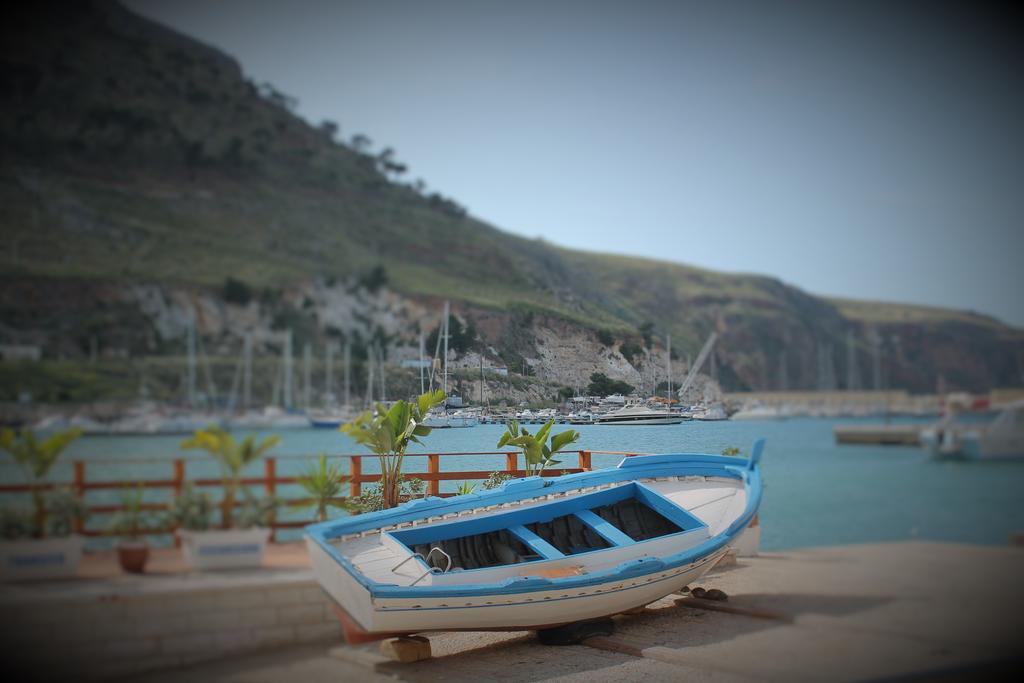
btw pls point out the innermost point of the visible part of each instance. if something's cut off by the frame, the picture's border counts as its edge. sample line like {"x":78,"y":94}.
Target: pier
{"x":882,"y":435}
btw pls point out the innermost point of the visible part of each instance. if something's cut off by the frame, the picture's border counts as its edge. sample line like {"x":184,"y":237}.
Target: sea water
{"x":816,"y":492}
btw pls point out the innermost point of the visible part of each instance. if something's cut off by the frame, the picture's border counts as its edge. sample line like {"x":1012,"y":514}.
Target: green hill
{"x":133,"y":154}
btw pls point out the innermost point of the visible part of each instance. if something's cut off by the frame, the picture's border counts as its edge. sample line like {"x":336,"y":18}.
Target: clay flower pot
{"x":133,"y":556}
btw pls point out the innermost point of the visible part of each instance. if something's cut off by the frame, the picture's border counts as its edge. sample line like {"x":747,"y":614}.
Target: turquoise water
{"x":817,"y":493}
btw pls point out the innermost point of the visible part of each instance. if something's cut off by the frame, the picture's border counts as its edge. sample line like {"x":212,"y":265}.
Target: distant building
{"x":502,"y":370}
{"x":415,"y":363}
{"x":20,"y":352}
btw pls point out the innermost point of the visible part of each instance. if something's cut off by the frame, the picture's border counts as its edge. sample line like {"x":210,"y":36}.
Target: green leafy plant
{"x":233,"y":456}
{"x":132,"y":520}
{"x":324,"y":483}
{"x":465,"y":488}
{"x":537,"y":452}
{"x":496,"y":479}
{"x":65,"y":508}
{"x":36,"y":458}
{"x":191,"y":510}
{"x":387,"y":432}
{"x":372,"y":499}
{"x":16,"y":523}
{"x":256,"y":512}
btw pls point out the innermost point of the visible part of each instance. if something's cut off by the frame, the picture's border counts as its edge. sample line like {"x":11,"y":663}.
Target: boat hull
{"x":527,"y":610}
{"x":643,"y":421}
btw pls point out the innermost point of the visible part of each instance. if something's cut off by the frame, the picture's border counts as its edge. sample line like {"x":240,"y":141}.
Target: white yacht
{"x":1003,"y":439}
{"x":711,"y":413}
{"x":639,"y":415}
{"x":444,"y":420}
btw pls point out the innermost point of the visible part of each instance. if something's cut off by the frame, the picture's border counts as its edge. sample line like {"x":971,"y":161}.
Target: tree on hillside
{"x":629,"y":350}
{"x":236,"y":291}
{"x":602,"y":385}
{"x":329,"y":128}
{"x":360,"y":143}
{"x":461,"y":338}
{"x":374,"y":279}
{"x":647,"y":332}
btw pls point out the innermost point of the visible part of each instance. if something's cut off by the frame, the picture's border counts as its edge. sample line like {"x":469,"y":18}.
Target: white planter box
{"x":224,"y":548}
{"x":47,"y":558}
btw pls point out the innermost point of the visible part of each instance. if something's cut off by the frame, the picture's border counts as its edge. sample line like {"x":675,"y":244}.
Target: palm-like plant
{"x":233,"y":456}
{"x":388,"y":433}
{"x":324,"y":483}
{"x":36,"y":458}
{"x":131,"y":520}
{"x":537,"y":452}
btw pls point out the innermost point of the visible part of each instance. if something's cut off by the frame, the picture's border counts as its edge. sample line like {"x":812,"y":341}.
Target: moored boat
{"x":1001,"y":440}
{"x":639,"y":415}
{"x":537,"y":552}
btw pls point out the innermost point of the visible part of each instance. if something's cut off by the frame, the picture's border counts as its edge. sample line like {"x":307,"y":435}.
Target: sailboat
{"x":333,"y":415}
{"x":442,"y":418}
{"x":537,"y":552}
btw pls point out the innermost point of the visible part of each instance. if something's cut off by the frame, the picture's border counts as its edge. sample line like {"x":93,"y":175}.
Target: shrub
{"x":236,"y":291}
{"x":602,"y":385}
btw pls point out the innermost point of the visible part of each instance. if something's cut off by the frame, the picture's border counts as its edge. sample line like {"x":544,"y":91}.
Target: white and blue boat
{"x":538,"y":552}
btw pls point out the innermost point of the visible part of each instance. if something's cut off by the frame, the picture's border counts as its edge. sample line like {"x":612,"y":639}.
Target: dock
{"x":880,"y":435}
{"x":914,"y":610}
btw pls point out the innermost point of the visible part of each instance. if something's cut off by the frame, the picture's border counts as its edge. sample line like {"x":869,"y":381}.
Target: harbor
{"x":577,"y":342}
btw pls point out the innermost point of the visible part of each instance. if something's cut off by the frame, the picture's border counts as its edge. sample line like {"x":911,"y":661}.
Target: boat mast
{"x":307,"y":380}
{"x":369,"y":376}
{"x":190,"y":350}
{"x":287,"y":360}
{"x":247,"y":371}
{"x":422,"y":387}
{"x":852,"y":372}
{"x":328,"y":374}
{"x":447,"y":313}
{"x":380,"y":366}
{"x":348,"y":370}
{"x":668,"y":366}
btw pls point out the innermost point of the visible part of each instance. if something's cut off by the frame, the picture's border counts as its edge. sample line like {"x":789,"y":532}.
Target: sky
{"x":864,"y":150}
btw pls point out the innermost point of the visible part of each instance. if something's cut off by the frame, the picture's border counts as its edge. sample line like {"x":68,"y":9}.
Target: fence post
{"x":434,"y":467}
{"x":355,"y":487}
{"x":179,"y":484}
{"x":80,"y":492}
{"x":585,"y":460}
{"x":511,"y":462}
{"x":270,"y":486}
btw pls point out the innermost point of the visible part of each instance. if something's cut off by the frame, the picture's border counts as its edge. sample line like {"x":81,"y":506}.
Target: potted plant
{"x":537,"y":451}
{"x":130,"y":523}
{"x":324,"y":484}
{"x":243,"y":534}
{"x":388,"y":433}
{"x":41,"y":543}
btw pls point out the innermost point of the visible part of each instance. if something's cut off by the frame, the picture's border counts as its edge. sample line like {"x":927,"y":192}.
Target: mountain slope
{"x":132,"y":154}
